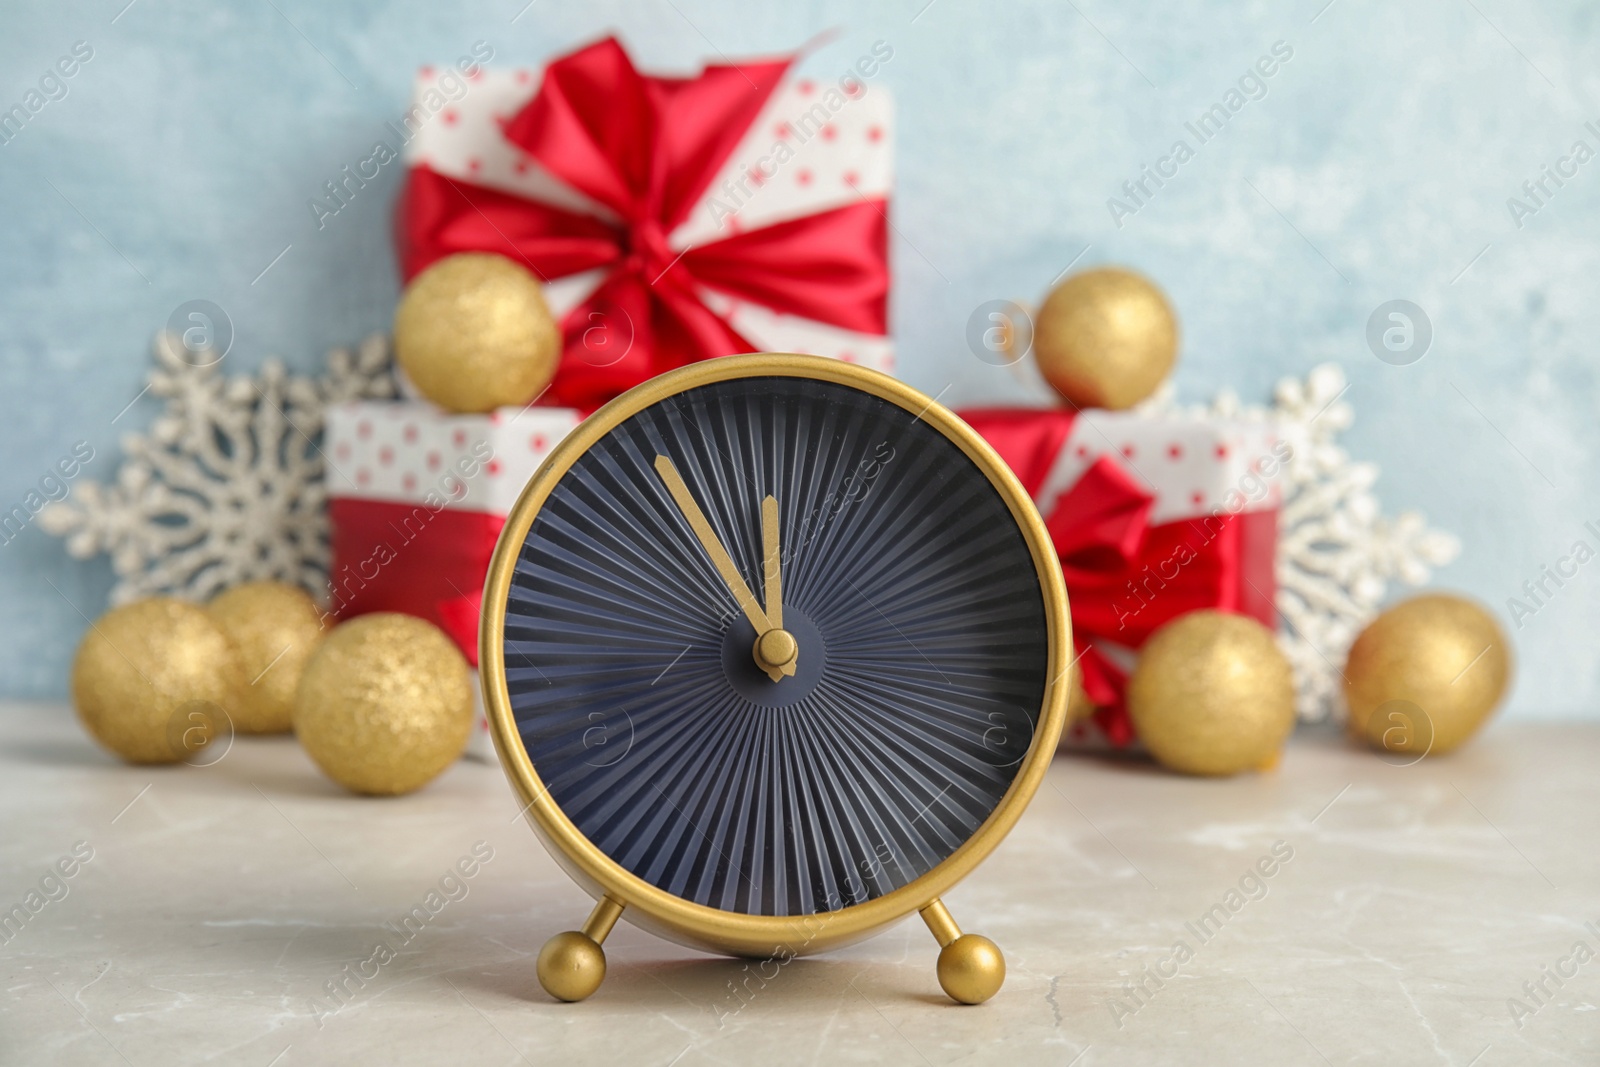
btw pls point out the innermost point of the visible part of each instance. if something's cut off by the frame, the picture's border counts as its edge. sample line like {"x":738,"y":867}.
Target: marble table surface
{"x":1408,"y":912}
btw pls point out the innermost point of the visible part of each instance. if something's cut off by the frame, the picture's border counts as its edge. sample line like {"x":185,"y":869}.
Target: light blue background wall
{"x":1387,"y":148}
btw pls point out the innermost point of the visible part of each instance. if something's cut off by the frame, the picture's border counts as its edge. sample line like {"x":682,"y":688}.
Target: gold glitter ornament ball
{"x":1105,"y":338}
{"x":1212,"y":694}
{"x":274,"y":628}
{"x":1426,"y":674}
{"x":473,"y":333}
{"x":1079,"y":706}
{"x":385,"y":704}
{"x":147,"y":673}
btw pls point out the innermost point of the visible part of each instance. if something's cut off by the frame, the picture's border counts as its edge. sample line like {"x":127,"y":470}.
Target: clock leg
{"x":971,"y":968}
{"x":572,"y":964}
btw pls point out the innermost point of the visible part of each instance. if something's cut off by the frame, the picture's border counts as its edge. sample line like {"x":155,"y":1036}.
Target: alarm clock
{"x":774,"y":650}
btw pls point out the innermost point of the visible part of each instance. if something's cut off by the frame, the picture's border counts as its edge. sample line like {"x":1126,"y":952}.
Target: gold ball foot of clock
{"x":971,"y":967}
{"x":572,"y":964}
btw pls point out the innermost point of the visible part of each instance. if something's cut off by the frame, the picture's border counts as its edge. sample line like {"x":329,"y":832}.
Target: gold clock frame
{"x":572,"y":965}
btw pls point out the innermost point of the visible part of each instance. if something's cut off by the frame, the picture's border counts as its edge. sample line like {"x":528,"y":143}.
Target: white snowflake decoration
{"x":1337,"y":553}
{"x":228,"y":483}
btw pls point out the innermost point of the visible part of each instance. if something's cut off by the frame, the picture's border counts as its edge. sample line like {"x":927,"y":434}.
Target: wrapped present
{"x":1152,"y":516}
{"x":672,"y":218}
{"x":416,"y":500}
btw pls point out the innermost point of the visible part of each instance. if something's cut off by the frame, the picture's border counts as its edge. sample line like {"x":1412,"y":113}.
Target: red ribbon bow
{"x":1098,"y":527}
{"x":1126,"y":578}
{"x":646,"y":149}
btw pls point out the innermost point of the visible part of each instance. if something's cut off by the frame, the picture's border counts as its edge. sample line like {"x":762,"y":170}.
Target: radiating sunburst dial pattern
{"x":907,"y":585}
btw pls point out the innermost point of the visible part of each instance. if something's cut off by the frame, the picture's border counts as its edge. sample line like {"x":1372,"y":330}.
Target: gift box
{"x":416,"y":500}
{"x":1152,"y":516}
{"x":671,"y":218}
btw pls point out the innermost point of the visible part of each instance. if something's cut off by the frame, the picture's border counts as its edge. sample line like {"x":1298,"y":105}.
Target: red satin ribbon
{"x":1125,"y":577}
{"x":646,"y":148}
{"x":409,"y":558}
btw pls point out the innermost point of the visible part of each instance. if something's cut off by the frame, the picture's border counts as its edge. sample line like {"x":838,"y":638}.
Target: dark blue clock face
{"x":913,"y":602}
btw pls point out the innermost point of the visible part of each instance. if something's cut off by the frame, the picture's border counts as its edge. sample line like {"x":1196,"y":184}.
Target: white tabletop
{"x":221,"y":901}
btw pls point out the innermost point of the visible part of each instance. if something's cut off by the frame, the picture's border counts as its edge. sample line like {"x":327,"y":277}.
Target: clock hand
{"x":708,"y":540}
{"x":769,"y":549}
{"x":784,"y":652}
{"x":775,"y":650}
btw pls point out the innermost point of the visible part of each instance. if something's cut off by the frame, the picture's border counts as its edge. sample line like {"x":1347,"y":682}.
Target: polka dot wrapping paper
{"x":411,"y":452}
{"x":1193,"y":467}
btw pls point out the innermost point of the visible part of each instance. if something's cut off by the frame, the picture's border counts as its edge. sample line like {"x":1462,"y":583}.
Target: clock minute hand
{"x":708,"y":540}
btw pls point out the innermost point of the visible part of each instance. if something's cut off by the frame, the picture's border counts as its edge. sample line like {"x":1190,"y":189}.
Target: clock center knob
{"x":776,"y":649}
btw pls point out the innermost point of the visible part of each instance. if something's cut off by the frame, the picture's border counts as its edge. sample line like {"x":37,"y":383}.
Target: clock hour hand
{"x":773,"y":593}
{"x":782,"y":650}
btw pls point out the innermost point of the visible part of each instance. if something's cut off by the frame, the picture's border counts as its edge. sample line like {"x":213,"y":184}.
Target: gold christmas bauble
{"x":473,"y":333}
{"x":1105,"y":338}
{"x":1079,"y":706}
{"x":1212,"y":694}
{"x":274,"y":628}
{"x":1426,"y":674}
{"x":385,"y":704}
{"x":155,"y":681}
